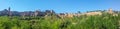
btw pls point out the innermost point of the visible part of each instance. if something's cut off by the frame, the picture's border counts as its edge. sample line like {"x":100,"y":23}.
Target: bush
{"x":105,"y":21}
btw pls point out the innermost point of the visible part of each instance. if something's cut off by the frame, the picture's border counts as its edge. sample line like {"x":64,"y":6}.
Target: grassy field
{"x":105,"y":21}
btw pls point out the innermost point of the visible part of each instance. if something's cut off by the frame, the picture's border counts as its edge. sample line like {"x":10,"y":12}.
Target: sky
{"x":60,"y":6}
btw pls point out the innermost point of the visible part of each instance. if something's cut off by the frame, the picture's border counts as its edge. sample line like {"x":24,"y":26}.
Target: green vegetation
{"x":105,"y":21}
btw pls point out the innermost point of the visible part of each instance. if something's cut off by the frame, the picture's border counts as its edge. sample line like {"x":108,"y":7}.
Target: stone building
{"x":93,"y":13}
{"x":36,"y":13}
{"x":110,"y":11}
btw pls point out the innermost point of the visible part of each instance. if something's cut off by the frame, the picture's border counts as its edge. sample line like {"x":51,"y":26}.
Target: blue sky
{"x":60,"y":6}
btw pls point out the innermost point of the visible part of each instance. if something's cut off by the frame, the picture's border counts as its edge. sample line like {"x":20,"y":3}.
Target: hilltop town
{"x":49,"y":19}
{"x":8,"y":12}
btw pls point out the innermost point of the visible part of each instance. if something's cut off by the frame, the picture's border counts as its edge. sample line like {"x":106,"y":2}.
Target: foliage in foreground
{"x":105,"y":21}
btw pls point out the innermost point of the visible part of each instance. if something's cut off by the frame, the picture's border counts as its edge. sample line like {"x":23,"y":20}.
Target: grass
{"x":105,"y":21}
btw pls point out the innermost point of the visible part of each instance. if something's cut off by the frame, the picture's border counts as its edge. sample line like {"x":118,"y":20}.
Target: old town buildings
{"x":8,"y":12}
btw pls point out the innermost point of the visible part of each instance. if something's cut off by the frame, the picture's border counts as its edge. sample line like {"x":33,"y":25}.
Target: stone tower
{"x":110,"y":11}
{"x":9,"y":11}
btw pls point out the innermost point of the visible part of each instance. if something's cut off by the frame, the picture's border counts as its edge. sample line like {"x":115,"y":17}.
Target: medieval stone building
{"x":110,"y":11}
{"x":36,"y":13}
{"x":93,"y":13}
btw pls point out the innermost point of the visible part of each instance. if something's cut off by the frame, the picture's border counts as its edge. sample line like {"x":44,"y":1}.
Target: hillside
{"x":104,"y":21}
